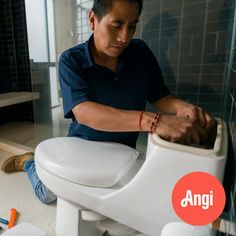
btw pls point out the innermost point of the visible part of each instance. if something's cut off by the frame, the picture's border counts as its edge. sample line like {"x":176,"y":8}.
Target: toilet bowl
{"x":111,"y":180}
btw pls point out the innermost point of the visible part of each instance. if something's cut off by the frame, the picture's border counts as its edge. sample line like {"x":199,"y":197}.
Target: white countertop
{"x":7,"y":99}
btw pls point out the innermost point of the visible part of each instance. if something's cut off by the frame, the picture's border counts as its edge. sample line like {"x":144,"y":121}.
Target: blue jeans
{"x":41,"y":191}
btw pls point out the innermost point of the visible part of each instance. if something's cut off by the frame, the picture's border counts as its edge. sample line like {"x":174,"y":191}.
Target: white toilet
{"x":99,"y":180}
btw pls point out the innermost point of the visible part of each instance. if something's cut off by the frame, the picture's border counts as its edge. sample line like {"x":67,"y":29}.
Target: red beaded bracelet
{"x":154,"y":122}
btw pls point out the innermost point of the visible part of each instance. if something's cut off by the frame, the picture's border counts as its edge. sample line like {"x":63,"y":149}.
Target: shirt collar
{"x":89,"y":62}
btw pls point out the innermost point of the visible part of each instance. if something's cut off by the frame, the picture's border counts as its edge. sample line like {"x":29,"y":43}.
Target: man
{"x":105,"y":84}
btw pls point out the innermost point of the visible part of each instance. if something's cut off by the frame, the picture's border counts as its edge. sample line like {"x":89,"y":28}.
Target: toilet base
{"x":74,"y":220}
{"x":69,"y":221}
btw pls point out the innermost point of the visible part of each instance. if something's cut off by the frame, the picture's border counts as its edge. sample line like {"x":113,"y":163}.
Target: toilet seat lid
{"x":91,"y":163}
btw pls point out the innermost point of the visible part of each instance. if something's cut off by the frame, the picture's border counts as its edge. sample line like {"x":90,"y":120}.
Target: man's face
{"x":116,"y":29}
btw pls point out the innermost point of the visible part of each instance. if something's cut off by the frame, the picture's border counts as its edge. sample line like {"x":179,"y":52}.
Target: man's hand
{"x":172,"y":105}
{"x":196,"y":114}
{"x":180,"y":130}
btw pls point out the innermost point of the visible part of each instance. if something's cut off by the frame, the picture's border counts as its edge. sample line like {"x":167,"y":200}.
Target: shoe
{"x":16,"y":163}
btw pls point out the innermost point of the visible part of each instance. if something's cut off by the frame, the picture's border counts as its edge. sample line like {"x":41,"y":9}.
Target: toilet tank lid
{"x":90,"y":163}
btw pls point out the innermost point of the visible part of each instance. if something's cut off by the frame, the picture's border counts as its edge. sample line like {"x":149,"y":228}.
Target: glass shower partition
{"x":53,"y":26}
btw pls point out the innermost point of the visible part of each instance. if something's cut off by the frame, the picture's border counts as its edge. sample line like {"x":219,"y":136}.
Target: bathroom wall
{"x":191,"y":40}
{"x":2,"y":53}
{"x":14,"y":59}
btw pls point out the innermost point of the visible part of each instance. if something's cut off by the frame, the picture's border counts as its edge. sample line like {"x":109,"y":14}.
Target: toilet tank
{"x":209,"y":157}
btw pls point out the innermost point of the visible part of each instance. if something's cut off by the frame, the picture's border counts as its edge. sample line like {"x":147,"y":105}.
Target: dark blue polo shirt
{"x":138,"y":79}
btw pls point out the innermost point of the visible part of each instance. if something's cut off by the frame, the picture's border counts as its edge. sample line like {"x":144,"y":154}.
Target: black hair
{"x":102,"y":7}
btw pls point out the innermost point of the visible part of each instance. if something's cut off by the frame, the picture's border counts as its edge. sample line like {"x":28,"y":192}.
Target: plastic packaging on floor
{"x":25,"y":229}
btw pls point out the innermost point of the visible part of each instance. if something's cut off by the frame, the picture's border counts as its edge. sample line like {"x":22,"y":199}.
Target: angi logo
{"x":201,"y":200}
{"x":198,"y":198}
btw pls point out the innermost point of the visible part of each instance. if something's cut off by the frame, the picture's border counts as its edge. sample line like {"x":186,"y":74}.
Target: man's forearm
{"x":106,"y":118}
{"x":169,"y":127}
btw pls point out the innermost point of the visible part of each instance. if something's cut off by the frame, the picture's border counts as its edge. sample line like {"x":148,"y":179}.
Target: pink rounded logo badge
{"x":198,"y":198}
